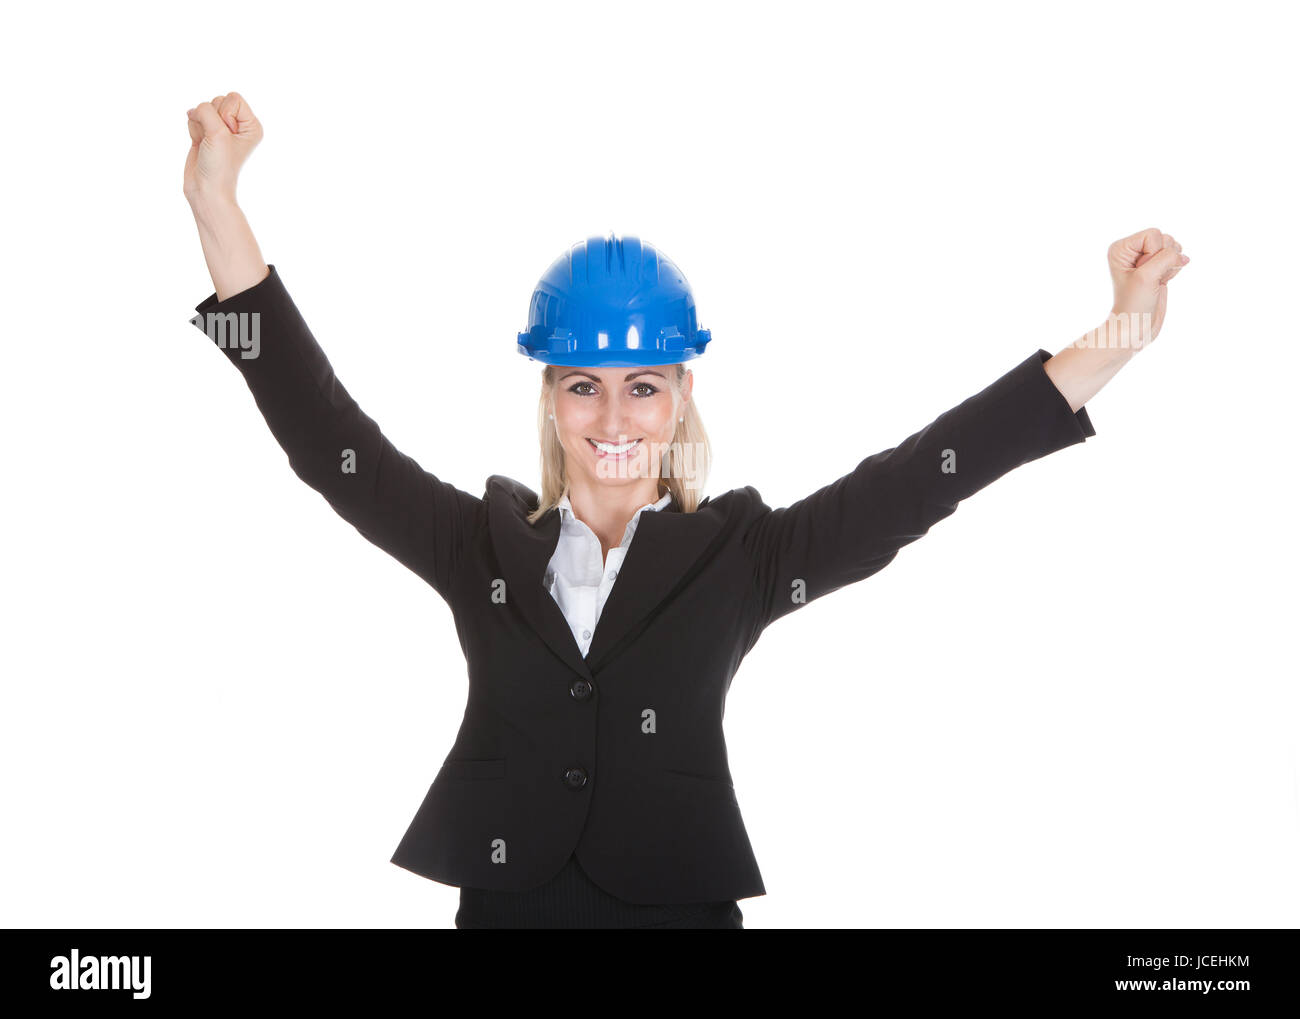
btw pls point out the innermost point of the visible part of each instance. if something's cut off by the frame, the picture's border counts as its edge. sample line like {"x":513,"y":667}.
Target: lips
{"x":614,"y":450}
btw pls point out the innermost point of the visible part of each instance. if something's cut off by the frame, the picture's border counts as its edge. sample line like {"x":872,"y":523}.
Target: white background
{"x":222,"y":706}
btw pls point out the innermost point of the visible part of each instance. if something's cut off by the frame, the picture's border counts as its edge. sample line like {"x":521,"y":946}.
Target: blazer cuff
{"x":1016,"y":419}
{"x":1063,"y":427}
{"x":231,"y":336}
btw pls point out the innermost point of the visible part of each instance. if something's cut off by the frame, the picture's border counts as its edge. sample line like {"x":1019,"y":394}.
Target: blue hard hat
{"x":612,"y":302}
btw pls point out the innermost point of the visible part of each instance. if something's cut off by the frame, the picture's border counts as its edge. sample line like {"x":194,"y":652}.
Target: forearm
{"x":332,"y":445}
{"x":308,"y":410}
{"x":234,"y":260}
{"x":853,"y":527}
{"x":1081,"y":369}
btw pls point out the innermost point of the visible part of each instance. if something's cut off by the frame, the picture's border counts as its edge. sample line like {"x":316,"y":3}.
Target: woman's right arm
{"x":332,"y":445}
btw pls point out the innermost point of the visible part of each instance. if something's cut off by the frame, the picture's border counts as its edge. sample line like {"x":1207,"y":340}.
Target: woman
{"x":588,"y":785}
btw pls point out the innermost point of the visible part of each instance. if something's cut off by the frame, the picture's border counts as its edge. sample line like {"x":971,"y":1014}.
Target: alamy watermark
{"x":1122,"y":331}
{"x":71,"y":972}
{"x":241,"y":329}
{"x":664,"y":460}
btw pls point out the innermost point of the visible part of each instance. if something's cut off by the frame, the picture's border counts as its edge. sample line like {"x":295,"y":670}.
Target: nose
{"x":616,"y":417}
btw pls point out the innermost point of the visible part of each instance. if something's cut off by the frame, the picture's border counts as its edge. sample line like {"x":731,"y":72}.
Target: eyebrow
{"x":626,"y":378}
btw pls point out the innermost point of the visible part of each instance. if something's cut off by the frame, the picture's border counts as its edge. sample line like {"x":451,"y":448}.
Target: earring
{"x":681,"y":419}
{"x":550,"y":417}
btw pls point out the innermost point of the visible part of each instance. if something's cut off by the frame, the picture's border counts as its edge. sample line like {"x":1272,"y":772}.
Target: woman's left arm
{"x":1140,"y":266}
{"x":854,"y":527}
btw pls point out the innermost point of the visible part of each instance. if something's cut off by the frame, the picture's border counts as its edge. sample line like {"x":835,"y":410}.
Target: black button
{"x":580,"y":689}
{"x":575,"y":778}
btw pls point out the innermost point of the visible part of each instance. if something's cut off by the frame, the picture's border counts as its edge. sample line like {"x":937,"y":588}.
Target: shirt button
{"x":613,"y":574}
{"x":586,"y":635}
{"x":575,"y":778}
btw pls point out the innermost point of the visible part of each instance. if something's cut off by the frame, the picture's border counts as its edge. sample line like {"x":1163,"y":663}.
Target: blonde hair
{"x":686,"y":481}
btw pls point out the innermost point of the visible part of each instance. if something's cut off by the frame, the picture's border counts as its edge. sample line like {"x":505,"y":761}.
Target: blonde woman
{"x":604,"y":618}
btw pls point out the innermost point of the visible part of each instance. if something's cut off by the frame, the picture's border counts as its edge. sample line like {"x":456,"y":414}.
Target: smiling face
{"x":615,"y":423}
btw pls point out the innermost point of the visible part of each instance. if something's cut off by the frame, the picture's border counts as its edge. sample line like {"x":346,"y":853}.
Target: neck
{"x":606,"y":509}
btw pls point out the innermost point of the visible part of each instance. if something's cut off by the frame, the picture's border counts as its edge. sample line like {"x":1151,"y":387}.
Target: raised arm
{"x":332,"y":445}
{"x":855,"y":526}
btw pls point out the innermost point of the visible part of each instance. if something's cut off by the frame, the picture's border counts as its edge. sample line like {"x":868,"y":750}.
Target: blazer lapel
{"x":666,"y":544}
{"x":524,"y":551}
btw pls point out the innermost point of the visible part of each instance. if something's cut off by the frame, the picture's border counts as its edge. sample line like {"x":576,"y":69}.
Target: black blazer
{"x":618,"y":757}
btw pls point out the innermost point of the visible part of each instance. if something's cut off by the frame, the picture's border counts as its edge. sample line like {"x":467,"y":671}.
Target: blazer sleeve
{"x":854,"y":527}
{"x":420,"y":520}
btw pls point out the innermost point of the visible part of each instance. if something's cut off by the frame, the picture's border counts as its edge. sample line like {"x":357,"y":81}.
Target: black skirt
{"x":571,"y":899}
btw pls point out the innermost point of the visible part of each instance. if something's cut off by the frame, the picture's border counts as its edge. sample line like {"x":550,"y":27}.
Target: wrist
{"x":1130,"y":330}
{"x":207,"y":205}
{"x":1117,"y":338}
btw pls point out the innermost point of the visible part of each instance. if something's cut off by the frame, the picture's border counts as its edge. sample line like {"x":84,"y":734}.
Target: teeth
{"x":606,"y":447}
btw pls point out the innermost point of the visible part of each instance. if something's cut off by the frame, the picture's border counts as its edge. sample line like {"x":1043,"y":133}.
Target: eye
{"x":574,"y":388}
{"x":645,"y":385}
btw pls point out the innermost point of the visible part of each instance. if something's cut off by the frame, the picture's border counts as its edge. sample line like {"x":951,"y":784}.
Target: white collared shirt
{"x":576,"y":578}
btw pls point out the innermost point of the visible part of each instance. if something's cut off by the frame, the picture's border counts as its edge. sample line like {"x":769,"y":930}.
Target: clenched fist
{"x":222,"y":134}
{"x":1140,"y":266}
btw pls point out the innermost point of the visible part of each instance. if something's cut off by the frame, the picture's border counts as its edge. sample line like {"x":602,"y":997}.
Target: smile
{"x":614,"y":449}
